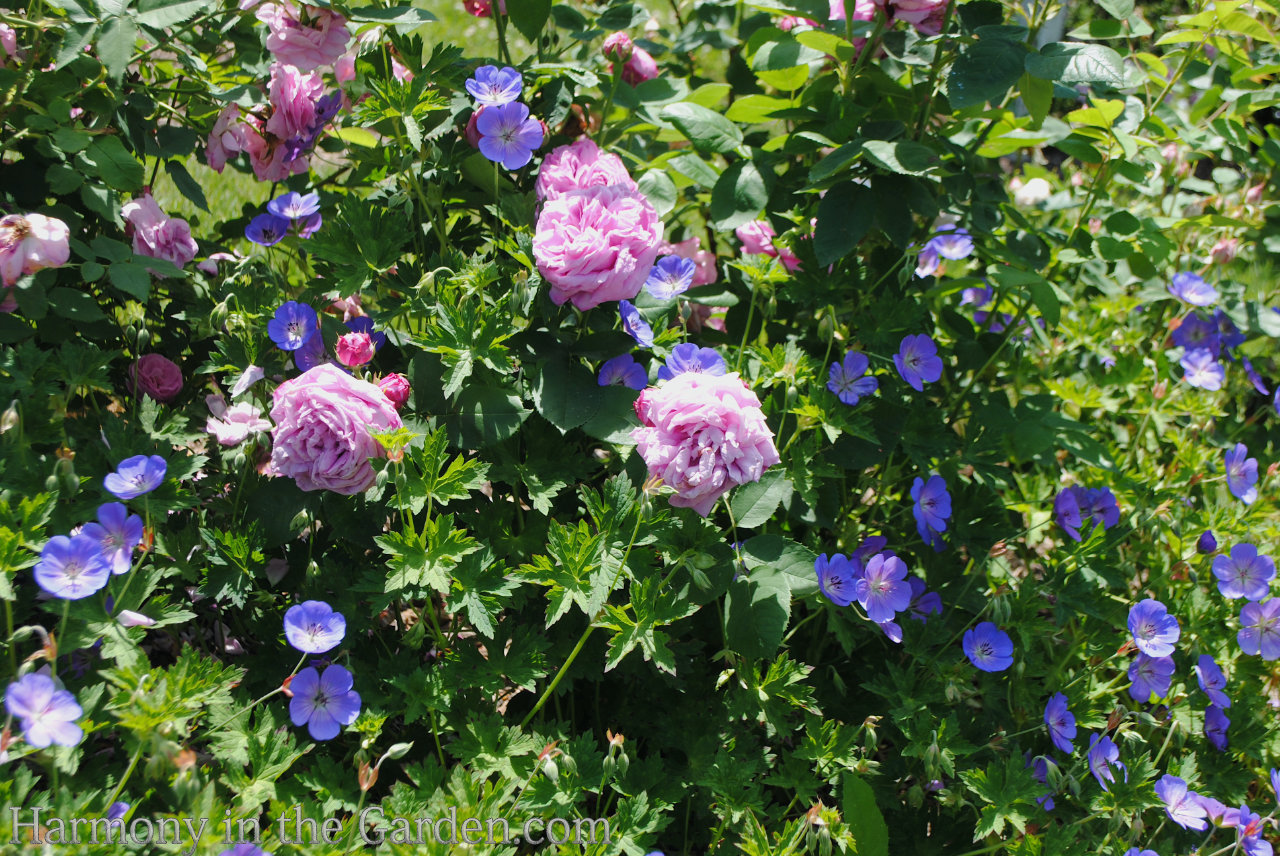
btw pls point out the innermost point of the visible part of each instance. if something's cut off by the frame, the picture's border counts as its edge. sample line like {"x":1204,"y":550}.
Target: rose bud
{"x":156,"y":376}
{"x":618,"y":47}
{"x":396,"y":388}
{"x":355,"y":349}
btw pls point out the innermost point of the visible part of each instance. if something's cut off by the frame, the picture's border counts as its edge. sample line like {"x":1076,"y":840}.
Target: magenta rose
{"x":156,"y":376}
{"x":354,"y":349}
{"x":578,"y":166}
{"x":640,"y":67}
{"x":322,"y":436}
{"x":306,"y":37}
{"x":396,"y":388}
{"x":597,"y":245}
{"x":703,"y":435}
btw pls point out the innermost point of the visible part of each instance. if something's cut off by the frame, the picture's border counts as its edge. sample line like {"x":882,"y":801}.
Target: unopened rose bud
{"x":395,"y":387}
{"x":1225,"y":250}
{"x":354,"y":349}
{"x":472,"y":133}
{"x":618,"y":47}
{"x":1254,"y":194}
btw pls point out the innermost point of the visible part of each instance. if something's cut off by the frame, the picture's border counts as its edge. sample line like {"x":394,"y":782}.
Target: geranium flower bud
{"x":1206,"y":543}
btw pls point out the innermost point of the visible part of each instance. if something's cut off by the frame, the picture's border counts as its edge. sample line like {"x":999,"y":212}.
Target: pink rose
{"x":640,"y":67}
{"x":696,"y":316}
{"x":787,"y":23}
{"x":578,"y":166}
{"x":270,"y":160}
{"x":396,"y":388}
{"x":31,"y":242}
{"x":1225,"y":250}
{"x":306,"y":37}
{"x":596,"y":245}
{"x":483,"y":8}
{"x":703,"y":435}
{"x":925,"y":15}
{"x":617,"y":47}
{"x":354,"y":349}
{"x":210,"y":265}
{"x":226,"y":140}
{"x":863,"y":10}
{"x":705,"y":271}
{"x":293,"y":97}
{"x":233,"y":425}
{"x":8,"y":44}
{"x":323,"y":419}
{"x":156,"y":234}
{"x":757,"y":238}
{"x":348,"y":306}
{"x":156,"y":376}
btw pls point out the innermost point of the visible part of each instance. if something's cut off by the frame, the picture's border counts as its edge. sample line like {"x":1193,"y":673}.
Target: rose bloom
{"x":31,"y":242}
{"x":704,"y":272}
{"x":156,"y":376}
{"x":483,"y":8}
{"x":596,"y":245}
{"x":226,"y":140}
{"x":640,"y":67}
{"x":320,"y":41}
{"x":925,"y":15}
{"x":757,"y":237}
{"x":269,"y":159}
{"x":293,"y":98}
{"x":703,"y":435}
{"x":578,"y":166}
{"x":8,"y":44}
{"x":396,"y":388}
{"x":323,"y":419}
{"x":156,"y":234}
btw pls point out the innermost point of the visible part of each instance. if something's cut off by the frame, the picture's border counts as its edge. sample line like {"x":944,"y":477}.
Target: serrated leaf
{"x":707,"y":130}
{"x":428,"y":557}
{"x":115,"y":45}
{"x":902,"y":156}
{"x":757,"y":609}
{"x":1072,"y":63}
{"x":187,"y":186}
{"x":529,"y":17}
{"x":755,"y":502}
{"x":784,"y":556}
{"x":845,"y":215}
{"x":401,"y":15}
{"x":566,"y":393}
{"x":984,"y":71}
{"x":166,"y":13}
{"x":131,"y":278}
{"x":116,"y":165}
{"x":739,"y":195}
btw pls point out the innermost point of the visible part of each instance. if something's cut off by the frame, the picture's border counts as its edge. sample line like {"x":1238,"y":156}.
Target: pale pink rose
{"x":704,"y":272}
{"x":396,"y":388}
{"x":925,"y":15}
{"x":400,"y":72}
{"x":787,"y":23}
{"x":617,"y":47}
{"x":210,"y":264}
{"x":156,"y":234}
{"x":251,"y":375}
{"x":29,"y":243}
{"x":354,"y":349}
{"x":757,"y":238}
{"x":596,"y":245}
{"x":233,"y":425}
{"x":577,"y":166}
{"x":156,"y":376}
{"x":344,"y":70}
{"x":1225,"y":250}
{"x":1254,"y":194}
{"x":323,"y":419}
{"x":293,"y":97}
{"x":641,"y":67}
{"x":306,"y":37}
{"x":349,"y":307}
{"x":696,"y":316}
{"x":227,"y":139}
{"x":703,"y":435}
{"x":8,"y":44}
{"x":483,"y":8}
{"x":863,"y":10}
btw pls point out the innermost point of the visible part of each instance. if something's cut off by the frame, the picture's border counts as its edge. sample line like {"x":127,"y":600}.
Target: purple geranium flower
{"x":1154,"y":629}
{"x":364,"y":324}
{"x":294,"y":206}
{"x":508,"y":135}
{"x":117,"y":810}
{"x":267,"y":229}
{"x":1242,"y":474}
{"x":1190,"y":288}
{"x":634,"y":324}
{"x":1215,"y":727}
{"x":927,"y":263}
{"x":988,"y":647}
{"x":492,"y":86}
{"x":311,"y":354}
{"x":323,"y":702}
{"x":1103,"y":752}
{"x":1245,"y":573}
{"x":932,"y":508}
{"x":671,"y":276}
{"x":1254,"y":378}
{"x":951,"y":243}
{"x":923,"y":603}
{"x":1075,"y":506}
{"x":979,"y":296}
{"x":846,"y":380}
{"x":918,"y":361}
{"x":1260,"y":629}
{"x":1275,"y":784}
{"x":1150,"y":675}
{"x":46,"y":712}
{"x":136,"y":476}
{"x":837,"y":578}
{"x":1196,"y":332}
{"x":1182,"y":806}
{"x":118,"y":532}
{"x":312,"y":627}
{"x":1249,"y":830}
{"x":1040,"y":772}
{"x":623,"y":370}
{"x":292,"y":325}
{"x":1229,"y":334}
{"x":882,"y":588}
{"x":688,"y":357}
{"x":1061,"y":723}
{"x":1134,"y":851}
{"x":1201,"y":369}
{"x":1212,"y":681}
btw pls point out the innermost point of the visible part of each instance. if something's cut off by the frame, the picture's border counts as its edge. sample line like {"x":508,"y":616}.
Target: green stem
{"x":133,"y":763}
